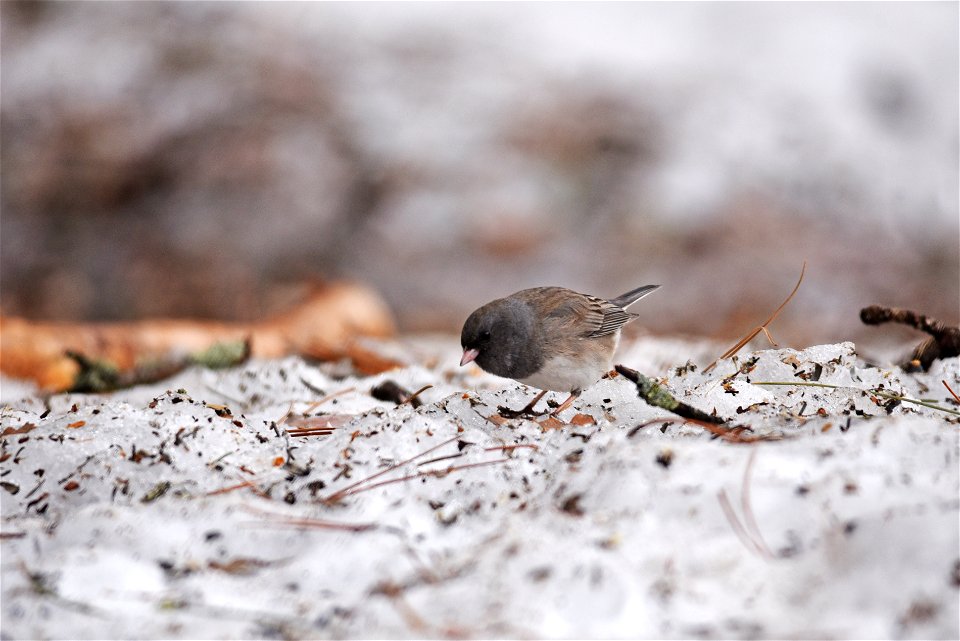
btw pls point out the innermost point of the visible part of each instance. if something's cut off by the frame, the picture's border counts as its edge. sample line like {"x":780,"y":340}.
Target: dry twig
{"x":944,"y":341}
{"x":325,"y":327}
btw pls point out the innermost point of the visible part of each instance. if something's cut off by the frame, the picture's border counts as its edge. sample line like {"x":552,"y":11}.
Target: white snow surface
{"x":613,"y":526}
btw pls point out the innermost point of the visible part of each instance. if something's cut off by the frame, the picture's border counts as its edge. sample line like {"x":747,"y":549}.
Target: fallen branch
{"x":944,"y":341}
{"x":324,"y":327}
{"x":98,"y":376}
{"x":762,"y":328}
{"x":391,"y":391}
{"x":656,"y":395}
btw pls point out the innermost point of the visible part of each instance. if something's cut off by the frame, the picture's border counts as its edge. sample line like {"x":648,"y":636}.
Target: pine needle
{"x":762,"y":328}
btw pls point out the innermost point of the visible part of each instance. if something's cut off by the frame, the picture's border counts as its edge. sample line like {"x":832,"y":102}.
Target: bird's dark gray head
{"x":500,"y":337}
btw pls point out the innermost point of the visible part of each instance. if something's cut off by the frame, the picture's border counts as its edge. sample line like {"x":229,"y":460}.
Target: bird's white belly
{"x":565,"y":374}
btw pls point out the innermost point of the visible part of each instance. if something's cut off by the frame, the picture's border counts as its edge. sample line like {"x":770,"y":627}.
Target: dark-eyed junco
{"x":548,"y":337}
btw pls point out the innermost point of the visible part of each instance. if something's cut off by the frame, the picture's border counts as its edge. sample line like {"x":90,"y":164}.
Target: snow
{"x":610,"y":527}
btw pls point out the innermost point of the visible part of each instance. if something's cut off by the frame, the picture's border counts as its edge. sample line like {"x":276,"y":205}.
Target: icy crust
{"x":786,"y":387}
{"x":193,"y":510}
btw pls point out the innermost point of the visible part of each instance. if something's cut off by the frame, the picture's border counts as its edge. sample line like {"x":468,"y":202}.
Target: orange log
{"x":324,"y":327}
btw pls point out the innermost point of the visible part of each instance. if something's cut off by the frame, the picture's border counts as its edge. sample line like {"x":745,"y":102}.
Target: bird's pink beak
{"x":468,"y":356}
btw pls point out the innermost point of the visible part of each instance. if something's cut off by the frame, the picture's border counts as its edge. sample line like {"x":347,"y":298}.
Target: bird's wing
{"x":584,"y":316}
{"x":606,"y":317}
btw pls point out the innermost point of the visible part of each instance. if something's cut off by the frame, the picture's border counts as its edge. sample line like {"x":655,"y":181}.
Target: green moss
{"x":222,"y":355}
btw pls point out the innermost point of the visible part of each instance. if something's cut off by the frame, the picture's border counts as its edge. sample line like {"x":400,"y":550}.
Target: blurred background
{"x":209,"y":160}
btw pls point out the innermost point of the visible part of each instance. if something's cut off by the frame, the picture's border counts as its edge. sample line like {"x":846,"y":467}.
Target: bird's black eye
{"x":485,"y":335}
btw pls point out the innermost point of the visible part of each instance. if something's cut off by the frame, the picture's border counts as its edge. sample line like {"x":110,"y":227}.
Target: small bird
{"x":551,"y":338}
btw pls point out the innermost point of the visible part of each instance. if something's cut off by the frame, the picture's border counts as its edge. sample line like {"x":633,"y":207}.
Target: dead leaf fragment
{"x":77,"y":425}
{"x":551,"y":423}
{"x":26,"y":427}
{"x":239,"y":566}
{"x":325,"y":326}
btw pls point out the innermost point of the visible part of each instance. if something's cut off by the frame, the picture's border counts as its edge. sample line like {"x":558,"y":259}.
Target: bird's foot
{"x":526,"y":412}
{"x":567,"y":403}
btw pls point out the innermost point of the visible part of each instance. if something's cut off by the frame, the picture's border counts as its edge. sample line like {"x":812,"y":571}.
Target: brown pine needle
{"x":952,"y":393}
{"x":509,"y":448}
{"x":231,"y":488}
{"x":304,"y":522}
{"x":336,"y":496}
{"x":239,"y":486}
{"x":730,"y":434}
{"x":409,"y":477}
{"x":446,"y":457}
{"x":323,"y":525}
{"x":303,"y":431}
{"x":762,"y":328}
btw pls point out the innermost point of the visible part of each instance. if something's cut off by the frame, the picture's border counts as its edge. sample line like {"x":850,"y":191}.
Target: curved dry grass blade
{"x":873,"y":390}
{"x":746,"y":530}
{"x":435,"y":473}
{"x":735,"y":523}
{"x":336,"y":496}
{"x":277,"y":519}
{"x":750,"y":522}
{"x":762,"y":328}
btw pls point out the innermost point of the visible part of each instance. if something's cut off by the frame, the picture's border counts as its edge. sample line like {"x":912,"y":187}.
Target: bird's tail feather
{"x":625,"y":300}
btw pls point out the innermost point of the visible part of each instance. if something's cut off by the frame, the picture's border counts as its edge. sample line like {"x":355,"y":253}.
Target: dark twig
{"x":655,"y":394}
{"x":944,"y":341}
{"x":392,"y":392}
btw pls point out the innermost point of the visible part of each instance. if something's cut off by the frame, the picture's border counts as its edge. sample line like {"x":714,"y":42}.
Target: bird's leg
{"x":574,"y":395}
{"x":526,"y":411}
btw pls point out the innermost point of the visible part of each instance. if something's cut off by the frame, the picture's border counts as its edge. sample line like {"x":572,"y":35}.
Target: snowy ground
{"x":191,"y":510}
